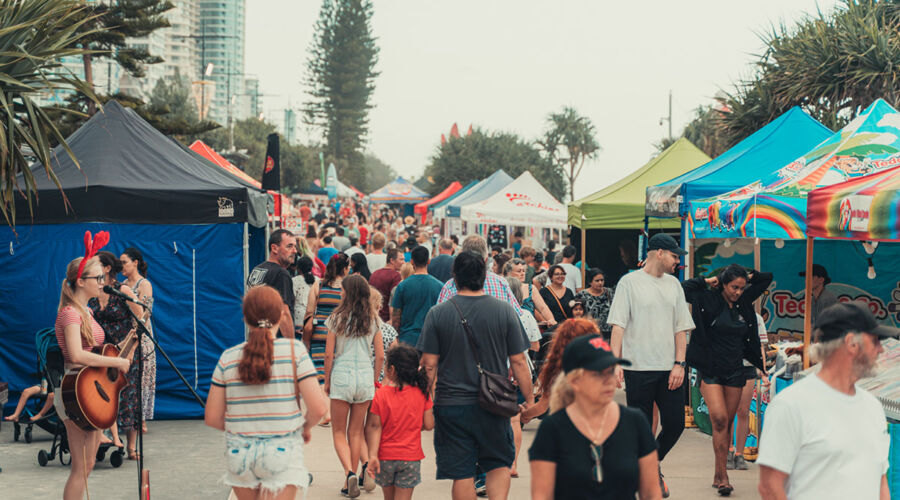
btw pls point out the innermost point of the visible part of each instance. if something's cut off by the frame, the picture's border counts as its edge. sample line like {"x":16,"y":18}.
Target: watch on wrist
{"x":681,"y":363}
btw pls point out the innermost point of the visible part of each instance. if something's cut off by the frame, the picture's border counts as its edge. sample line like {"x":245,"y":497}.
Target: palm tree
{"x":34,"y":36}
{"x":577,"y":136}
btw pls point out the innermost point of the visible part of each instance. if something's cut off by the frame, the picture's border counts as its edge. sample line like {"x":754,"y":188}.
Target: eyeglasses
{"x":597,"y":455}
{"x":100,"y":278}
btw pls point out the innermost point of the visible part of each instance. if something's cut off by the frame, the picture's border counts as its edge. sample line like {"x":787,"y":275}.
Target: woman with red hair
{"x":253,"y":381}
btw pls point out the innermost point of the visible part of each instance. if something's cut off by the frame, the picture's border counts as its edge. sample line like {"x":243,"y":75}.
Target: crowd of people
{"x":379,"y":329}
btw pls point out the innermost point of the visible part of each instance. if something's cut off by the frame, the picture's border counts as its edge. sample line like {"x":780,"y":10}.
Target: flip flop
{"x":725,"y":489}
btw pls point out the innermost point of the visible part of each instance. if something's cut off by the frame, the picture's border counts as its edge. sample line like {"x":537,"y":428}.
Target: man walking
{"x":327,"y":251}
{"x":273,"y":272}
{"x":824,"y":437}
{"x":441,"y":267}
{"x":494,"y":285}
{"x":341,"y":242}
{"x":385,"y":279}
{"x":376,"y":258}
{"x":573,"y":274}
{"x":464,"y":433}
{"x":650,"y":321}
{"x":413,"y":298}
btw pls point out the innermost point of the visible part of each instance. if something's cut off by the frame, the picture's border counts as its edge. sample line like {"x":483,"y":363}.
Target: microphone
{"x":112,"y":291}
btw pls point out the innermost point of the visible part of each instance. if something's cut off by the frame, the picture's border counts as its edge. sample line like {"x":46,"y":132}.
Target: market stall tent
{"x":454,"y":196}
{"x":522,"y":202}
{"x":621,"y":205}
{"x":197,"y":225}
{"x":481,"y":191}
{"x":422,"y":208}
{"x":780,"y":141}
{"x":398,"y":191}
{"x":775,"y":206}
{"x":866,"y":208}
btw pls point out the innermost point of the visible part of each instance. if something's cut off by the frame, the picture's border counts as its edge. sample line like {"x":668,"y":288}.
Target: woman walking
{"x":726,"y":332}
{"x":590,"y":447}
{"x":134,"y":268}
{"x":303,"y":282}
{"x":360,"y":265}
{"x":252,"y":381}
{"x":77,"y":332}
{"x":596,"y":299}
{"x":350,"y":376}
{"x":556,"y":295}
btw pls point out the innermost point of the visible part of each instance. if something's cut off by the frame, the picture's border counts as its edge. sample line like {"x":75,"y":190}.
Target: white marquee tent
{"x":523,"y":202}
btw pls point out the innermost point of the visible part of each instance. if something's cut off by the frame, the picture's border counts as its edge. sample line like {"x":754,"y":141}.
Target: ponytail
{"x":67,"y":296}
{"x":262,"y":309}
{"x":405,"y":360}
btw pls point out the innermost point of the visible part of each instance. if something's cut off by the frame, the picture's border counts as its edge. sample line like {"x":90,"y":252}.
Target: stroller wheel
{"x":17,"y":430}
{"x":64,"y":457}
{"x":28,"y":434}
{"x":101,"y":454}
{"x":116,"y":458}
{"x":43,"y":458}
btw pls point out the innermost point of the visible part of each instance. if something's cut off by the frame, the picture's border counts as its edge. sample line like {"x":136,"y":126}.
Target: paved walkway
{"x":185,"y":462}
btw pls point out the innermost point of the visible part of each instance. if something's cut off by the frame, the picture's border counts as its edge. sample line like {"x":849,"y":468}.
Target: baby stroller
{"x":51,"y":365}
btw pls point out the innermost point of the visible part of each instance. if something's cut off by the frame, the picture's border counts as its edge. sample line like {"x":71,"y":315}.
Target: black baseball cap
{"x":820,"y":271}
{"x":662,"y":241}
{"x":590,"y":352}
{"x":839,"y":319}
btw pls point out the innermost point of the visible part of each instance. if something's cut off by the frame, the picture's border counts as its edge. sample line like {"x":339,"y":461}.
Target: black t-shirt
{"x":559,"y":441}
{"x":727,"y":333}
{"x":277,"y":277}
{"x":559,"y":314}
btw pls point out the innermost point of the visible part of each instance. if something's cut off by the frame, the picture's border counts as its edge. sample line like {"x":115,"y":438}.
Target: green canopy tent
{"x":618,"y":209}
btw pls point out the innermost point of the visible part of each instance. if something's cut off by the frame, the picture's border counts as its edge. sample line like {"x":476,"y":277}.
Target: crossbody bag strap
{"x":561,"y":309}
{"x":294,"y":371}
{"x":473,"y":344}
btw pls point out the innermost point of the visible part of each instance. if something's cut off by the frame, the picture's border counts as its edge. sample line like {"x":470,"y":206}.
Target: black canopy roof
{"x":132,"y":173}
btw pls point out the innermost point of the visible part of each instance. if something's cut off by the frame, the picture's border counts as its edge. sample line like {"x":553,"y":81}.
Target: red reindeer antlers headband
{"x":91,"y":247}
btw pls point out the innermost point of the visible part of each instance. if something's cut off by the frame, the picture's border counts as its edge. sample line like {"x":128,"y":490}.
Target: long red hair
{"x":262,"y":306}
{"x":565,"y":332}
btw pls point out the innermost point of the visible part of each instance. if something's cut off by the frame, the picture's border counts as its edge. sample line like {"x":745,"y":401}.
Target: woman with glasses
{"x":111,"y":312}
{"x":134,"y":268}
{"x":556,"y":295}
{"x":591,"y":447}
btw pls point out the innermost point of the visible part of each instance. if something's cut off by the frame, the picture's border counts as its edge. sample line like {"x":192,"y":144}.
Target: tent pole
{"x":807,"y":307}
{"x":246,"y":270}
{"x":583,"y":256}
{"x":757,"y":265}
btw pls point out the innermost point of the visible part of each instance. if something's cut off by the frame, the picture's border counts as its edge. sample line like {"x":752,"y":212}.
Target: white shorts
{"x":270,"y":463}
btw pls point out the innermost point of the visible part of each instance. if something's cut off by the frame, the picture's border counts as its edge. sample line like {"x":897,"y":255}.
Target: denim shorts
{"x":465,"y":435}
{"x":352,"y":386}
{"x":736,"y":379}
{"x":399,"y":473}
{"x":270,"y":463}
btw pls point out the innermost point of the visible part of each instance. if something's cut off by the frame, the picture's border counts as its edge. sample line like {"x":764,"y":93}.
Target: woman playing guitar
{"x":77,"y":332}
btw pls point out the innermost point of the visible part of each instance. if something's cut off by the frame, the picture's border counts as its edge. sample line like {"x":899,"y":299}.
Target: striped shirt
{"x":268,"y":409}
{"x":68,"y":316}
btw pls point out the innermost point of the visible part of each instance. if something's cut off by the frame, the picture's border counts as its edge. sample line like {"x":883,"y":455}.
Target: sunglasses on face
{"x":597,"y":456}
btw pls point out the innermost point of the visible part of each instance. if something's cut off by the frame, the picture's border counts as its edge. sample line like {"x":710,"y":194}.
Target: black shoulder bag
{"x":496,"y":393}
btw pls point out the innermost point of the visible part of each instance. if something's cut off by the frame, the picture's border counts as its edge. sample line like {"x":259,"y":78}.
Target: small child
{"x":399,"y":412}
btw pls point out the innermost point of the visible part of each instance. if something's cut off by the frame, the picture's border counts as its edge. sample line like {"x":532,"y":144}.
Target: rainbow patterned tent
{"x":866,"y":208}
{"x":775,"y":206}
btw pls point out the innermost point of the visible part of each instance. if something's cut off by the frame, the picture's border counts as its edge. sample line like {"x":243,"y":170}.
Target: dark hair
{"x":305,"y":267}
{"x":261,"y":304}
{"x":551,"y":245}
{"x":731,"y":273}
{"x":311,"y":232}
{"x":353,"y":240}
{"x":360,"y":265}
{"x":136,"y":255}
{"x":335,"y":268}
{"x":326,"y":240}
{"x":354,"y":316}
{"x":501,"y":260}
{"x":405,"y":360}
{"x":538,"y":257}
{"x":454,"y":238}
{"x":419,"y":256}
{"x":391,"y":254}
{"x":278,"y":235}
{"x":592,"y":273}
{"x":469,"y":271}
{"x":553,"y":269}
{"x":497,"y":248}
{"x":109,"y":259}
{"x":339,"y":230}
{"x":568,"y":252}
{"x":518,"y":234}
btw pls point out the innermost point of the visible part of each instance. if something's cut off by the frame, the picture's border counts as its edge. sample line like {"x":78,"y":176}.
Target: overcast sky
{"x":505,"y":65}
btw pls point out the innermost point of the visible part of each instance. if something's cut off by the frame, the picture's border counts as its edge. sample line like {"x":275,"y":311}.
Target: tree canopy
{"x":570,"y":140}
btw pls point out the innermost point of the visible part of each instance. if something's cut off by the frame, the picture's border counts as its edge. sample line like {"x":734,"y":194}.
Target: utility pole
{"x":668,"y":118}
{"x":202,"y":37}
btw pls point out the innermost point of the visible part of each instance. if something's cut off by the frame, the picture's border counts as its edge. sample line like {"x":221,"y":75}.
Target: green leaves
{"x":569,"y":141}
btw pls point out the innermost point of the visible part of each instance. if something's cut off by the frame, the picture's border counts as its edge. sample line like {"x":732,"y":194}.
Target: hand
{"x":620,"y":376}
{"x":676,"y":377}
{"x":307,"y":434}
{"x":522,"y":409}
{"x":123,"y":364}
{"x":551,"y":322}
{"x":327,"y":387}
{"x":374,"y":466}
{"x":712,"y":282}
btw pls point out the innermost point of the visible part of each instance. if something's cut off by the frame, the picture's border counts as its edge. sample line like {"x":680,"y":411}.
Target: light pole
{"x":204,"y":69}
{"x":668,"y":118}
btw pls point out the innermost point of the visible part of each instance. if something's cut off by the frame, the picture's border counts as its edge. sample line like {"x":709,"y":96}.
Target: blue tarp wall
{"x":197,"y":272}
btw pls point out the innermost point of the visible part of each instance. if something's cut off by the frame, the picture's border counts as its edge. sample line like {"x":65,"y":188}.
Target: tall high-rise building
{"x":290,"y":126}
{"x":222,"y":44}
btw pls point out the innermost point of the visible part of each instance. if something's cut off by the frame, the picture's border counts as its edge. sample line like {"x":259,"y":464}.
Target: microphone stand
{"x":141,"y":331}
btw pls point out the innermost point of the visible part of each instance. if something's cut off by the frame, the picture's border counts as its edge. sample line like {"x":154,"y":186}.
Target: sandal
{"x":133,"y":455}
{"x":725,"y":490}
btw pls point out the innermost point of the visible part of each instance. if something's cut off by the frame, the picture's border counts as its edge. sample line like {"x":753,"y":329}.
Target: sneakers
{"x":480,"y":488}
{"x":366,"y":481}
{"x":729,"y":461}
{"x":352,"y":489}
{"x":662,"y":485}
{"x":740,"y":463}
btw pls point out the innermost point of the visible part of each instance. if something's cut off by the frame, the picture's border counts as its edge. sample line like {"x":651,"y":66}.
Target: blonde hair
{"x":67,"y":294}
{"x":406,"y":270}
{"x":375,"y":298}
{"x":562,"y":394}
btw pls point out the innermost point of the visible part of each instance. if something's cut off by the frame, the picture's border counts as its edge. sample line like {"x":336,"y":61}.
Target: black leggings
{"x":642,"y":389}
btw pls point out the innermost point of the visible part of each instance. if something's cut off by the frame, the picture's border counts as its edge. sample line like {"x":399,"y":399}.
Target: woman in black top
{"x":725,"y":334}
{"x":593,"y":448}
{"x":556,"y":295}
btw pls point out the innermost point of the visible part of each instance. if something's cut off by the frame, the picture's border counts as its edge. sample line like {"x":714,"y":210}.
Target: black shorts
{"x":465,"y":435}
{"x":736,"y":379}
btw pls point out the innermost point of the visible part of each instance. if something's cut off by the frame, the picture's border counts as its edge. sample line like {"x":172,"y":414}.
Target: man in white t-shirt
{"x":824,"y":437}
{"x":650,"y":320}
{"x":573,"y":274}
{"x":376,"y":258}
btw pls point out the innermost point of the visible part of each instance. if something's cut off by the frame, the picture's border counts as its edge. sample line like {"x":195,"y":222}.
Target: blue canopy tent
{"x":399,"y":192}
{"x":481,"y":191}
{"x":196,"y":225}
{"x":455,"y":195}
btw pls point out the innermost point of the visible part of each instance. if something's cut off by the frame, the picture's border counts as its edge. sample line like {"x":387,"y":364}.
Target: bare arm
{"x":771,"y":484}
{"x":885,"y":489}
{"x":615,"y":341}
{"x":329,"y":359}
{"x":540,"y":306}
{"x":538,"y":408}
{"x":310,"y":311}
{"x":543,"y":479}
{"x":136,"y":309}
{"x":676,"y":377}
{"x":648,"y":489}
{"x":214,"y":414}
{"x":522,"y":374}
{"x":79,"y":356}
{"x":396,"y":315}
{"x":378,"y":343}
{"x":430,"y":362}
{"x":316,"y":402}
{"x":373,"y":439}
{"x":428,"y":420}
{"x":286,"y":325}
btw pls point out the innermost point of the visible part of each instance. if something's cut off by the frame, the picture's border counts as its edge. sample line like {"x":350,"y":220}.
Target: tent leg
{"x":757,"y":265}
{"x":583,"y":256}
{"x":246,"y":269}
{"x":807,"y":306}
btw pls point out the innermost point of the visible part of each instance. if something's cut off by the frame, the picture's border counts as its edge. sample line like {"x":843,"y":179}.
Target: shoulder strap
{"x":294,"y":371}
{"x":473,"y":344}
{"x":561,"y":309}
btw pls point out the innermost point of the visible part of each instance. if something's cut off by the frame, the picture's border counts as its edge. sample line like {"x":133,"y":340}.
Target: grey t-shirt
{"x":497,"y":331}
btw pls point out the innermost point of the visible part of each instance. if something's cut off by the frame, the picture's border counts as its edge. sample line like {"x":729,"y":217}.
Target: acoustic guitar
{"x":91,"y":394}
